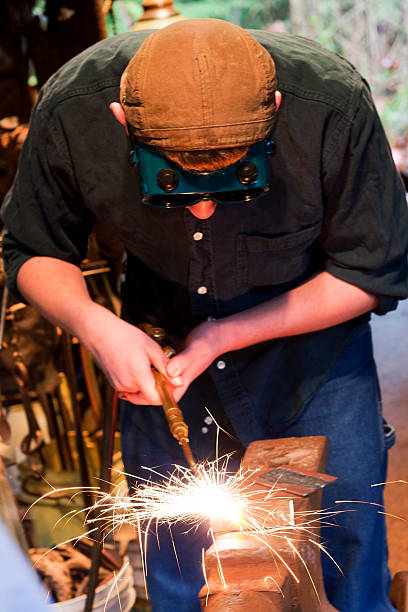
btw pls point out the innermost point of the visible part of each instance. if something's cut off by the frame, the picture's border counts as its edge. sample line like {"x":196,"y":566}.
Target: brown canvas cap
{"x":199,"y":84}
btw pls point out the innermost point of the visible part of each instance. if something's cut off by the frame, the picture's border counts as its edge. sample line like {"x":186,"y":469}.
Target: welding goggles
{"x":164,"y":184}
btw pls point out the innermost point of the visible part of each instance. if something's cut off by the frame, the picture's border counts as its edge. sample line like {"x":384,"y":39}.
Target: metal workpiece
{"x":243,"y":572}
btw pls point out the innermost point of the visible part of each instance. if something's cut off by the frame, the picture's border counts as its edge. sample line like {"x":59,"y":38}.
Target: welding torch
{"x":177,"y":425}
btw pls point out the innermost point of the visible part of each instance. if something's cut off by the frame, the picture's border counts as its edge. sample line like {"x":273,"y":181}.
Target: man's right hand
{"x":125,"y":353}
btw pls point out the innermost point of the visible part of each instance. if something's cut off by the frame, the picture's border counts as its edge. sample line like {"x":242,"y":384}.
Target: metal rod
{"x":71,"y":378}
{"x":66,"y":424}
{"x":4,"y":302}
{"x":91,"y":384}
{"x":53,"y":427}
{"x":109,"y":420}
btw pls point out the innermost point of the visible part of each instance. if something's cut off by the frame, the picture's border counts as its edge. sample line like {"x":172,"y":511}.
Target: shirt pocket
{"x":263,"y":260}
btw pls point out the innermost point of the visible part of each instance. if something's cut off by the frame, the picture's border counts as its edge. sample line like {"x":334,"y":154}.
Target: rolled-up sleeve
{"x":43,"y":212}
{"x":365,"y":230}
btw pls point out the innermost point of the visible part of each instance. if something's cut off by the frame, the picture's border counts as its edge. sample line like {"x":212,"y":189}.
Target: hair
{"x":206,"y":161}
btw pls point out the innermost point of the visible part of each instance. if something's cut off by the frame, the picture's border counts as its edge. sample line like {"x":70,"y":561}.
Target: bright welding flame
{"x":187,"y":496}
{"x":209,"y":493}
{"x":215,"y":502}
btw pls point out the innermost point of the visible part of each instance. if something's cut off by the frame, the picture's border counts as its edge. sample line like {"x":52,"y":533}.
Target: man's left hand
{"x":197,"y":352}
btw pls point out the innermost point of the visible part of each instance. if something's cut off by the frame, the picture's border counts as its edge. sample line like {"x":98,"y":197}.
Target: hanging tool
{"x":177,"y":425}
{"x":34,"y":440}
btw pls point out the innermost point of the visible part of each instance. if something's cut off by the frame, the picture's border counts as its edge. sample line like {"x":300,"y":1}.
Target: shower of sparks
{"x":230,"y":501}
{"x":193,"y":497}
{"x":210,"y":493}
{"x":184,"y":496}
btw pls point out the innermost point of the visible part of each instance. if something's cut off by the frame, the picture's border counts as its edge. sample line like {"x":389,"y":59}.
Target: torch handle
{"x":177,"y":425}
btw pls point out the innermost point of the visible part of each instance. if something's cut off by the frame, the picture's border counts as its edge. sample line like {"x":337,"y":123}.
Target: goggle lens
{"x":180,"y":200}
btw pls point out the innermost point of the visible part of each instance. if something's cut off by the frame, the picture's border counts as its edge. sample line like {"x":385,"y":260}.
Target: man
{"x":267,"y":283}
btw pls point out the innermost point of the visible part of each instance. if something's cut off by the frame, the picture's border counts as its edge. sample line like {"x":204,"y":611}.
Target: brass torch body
{"x":177,"y":425}
{"x":174,"y":416}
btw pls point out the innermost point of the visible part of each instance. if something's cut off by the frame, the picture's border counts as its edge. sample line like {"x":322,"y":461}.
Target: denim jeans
{"x":347,"y":410}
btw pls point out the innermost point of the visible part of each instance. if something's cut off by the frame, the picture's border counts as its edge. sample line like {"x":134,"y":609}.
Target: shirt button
{"x":221,"y":364}
{"x":202,"y":290}
{"x":208,"y":420}
{"x":204,"y":430}
{"x":198,"y":235}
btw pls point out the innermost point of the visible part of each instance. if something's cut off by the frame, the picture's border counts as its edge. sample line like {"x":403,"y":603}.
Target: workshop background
{"x":56,"y":408}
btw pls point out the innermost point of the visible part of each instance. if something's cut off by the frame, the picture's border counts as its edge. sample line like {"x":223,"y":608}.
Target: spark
{"x":228,"y":501}
{"x":209,"y":493}
{"x":212,"y":496}
{"x":388,"y":482}
{"x":115,"y":585}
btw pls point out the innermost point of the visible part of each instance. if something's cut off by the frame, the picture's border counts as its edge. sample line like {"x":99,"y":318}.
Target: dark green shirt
{"x":336,"y":203}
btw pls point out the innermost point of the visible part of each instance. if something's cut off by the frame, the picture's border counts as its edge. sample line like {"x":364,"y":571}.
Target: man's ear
{"x":119,"y":113}
{"x":278,"y":99}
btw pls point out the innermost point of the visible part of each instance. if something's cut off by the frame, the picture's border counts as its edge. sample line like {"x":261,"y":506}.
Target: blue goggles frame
{"x":164,"y":184}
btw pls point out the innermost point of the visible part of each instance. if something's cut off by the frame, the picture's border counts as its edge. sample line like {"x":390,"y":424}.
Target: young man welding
{"x":263,"y":220}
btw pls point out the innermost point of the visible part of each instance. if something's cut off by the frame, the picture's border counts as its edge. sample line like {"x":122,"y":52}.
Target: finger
{"x":148,"y":391}
{"x":179,"y":392}
{"x":140,"y":388}
{"x":160,"y":361}
{"x":178,"y":365}
{"x":176,"y":381}
{"x":158,"y":358}
{"x":146,"y":382}
{"x":137,"y":398}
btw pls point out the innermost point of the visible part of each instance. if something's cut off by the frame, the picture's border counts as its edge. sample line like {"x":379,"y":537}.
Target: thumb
{"x":157,"y":357}
{"x":176,"y":368}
